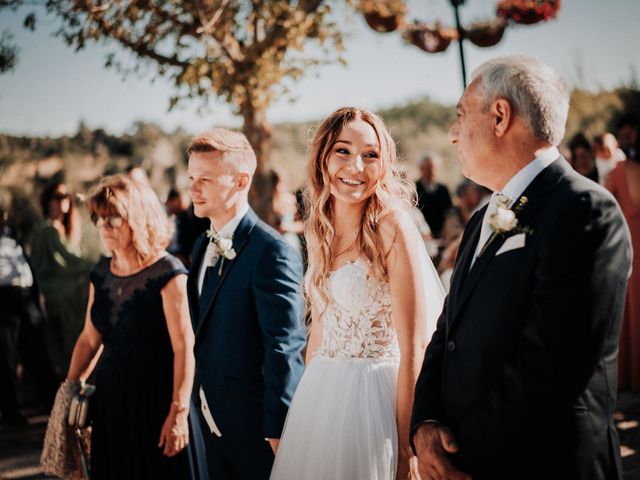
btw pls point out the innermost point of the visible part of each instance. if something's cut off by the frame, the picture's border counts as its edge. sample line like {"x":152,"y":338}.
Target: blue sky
{"x":53,"y":88}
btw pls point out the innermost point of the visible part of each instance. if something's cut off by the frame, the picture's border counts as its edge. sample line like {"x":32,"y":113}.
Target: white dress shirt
{"x":516,"y":186}
{"x":211,"y":254}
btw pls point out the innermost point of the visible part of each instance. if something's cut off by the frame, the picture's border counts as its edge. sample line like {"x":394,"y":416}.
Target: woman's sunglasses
{"x":112,"y":221}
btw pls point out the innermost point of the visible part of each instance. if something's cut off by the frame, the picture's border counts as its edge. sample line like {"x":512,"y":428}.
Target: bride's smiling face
{"x":354,"y":163}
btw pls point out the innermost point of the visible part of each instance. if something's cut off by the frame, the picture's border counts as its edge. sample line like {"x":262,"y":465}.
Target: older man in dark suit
{"x":519,"y":381}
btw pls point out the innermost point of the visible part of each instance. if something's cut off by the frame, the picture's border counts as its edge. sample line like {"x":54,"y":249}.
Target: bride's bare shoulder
{"x":395,"y":225}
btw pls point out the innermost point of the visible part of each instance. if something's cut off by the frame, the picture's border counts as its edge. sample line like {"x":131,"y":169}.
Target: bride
{"x":375,"y":298}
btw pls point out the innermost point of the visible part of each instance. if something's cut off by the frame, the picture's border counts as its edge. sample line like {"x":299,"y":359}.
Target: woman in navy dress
{"x":138,"y":318}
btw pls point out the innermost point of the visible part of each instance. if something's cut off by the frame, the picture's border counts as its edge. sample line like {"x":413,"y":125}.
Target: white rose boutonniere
{"x":224,"y":245}
{"x":505,"y":221}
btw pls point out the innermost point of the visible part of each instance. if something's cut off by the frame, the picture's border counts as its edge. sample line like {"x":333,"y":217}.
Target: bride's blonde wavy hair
{"x":393,"y":192}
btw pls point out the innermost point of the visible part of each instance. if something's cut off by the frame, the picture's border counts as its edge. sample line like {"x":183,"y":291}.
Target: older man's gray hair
{"x":535,"y":91}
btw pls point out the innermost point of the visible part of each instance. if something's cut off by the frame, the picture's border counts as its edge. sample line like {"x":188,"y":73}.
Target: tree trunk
{"x":258,"y":132}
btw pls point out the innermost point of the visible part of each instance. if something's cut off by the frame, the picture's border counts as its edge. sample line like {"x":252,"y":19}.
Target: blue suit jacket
{"x":249,"y":331}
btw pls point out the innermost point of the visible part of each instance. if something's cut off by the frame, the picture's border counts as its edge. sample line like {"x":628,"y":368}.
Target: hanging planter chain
{"x":386,"y":16}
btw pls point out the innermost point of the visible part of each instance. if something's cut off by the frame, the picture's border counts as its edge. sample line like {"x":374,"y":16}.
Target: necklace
{"x":349,"y":247}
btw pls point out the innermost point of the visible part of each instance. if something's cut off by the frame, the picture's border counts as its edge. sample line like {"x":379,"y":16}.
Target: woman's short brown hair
{"x":138,"y":205}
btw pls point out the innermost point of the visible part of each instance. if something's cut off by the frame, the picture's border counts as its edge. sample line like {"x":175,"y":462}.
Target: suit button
{"x":451,"y":345}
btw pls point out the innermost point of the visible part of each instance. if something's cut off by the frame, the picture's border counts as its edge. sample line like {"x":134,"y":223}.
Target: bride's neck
{"x":347,"y":218}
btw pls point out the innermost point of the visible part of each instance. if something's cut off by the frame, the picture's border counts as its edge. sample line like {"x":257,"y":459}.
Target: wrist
{"x":419,"y":434}
{"x":179,"y":407}
{"x":404,"y":451}
{"x":73,"y":383}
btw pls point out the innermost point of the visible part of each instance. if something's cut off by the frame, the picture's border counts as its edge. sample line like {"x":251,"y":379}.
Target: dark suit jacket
{"x":523,"y":364}
{"x":249,"y":332}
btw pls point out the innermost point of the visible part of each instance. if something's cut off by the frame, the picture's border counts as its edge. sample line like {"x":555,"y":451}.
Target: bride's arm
{"x":409,"y":316}
{"x":315,"y":335}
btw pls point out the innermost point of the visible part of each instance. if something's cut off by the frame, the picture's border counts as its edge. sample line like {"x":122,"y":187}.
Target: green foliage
{"x":8,"y":53}
{"x":416,"y":126}
{"x":421,"y":114}
{"x":591,"y":113}
{"x":630,"y":97}
{"x":236,"y":50}
{"x":243,"y":52}
{"x":594,"y":113}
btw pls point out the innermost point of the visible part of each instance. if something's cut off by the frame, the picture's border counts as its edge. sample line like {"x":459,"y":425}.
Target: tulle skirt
{"x":342,"y":422}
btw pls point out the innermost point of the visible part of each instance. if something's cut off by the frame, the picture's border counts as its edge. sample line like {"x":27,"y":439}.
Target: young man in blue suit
{"x":246,"y":306}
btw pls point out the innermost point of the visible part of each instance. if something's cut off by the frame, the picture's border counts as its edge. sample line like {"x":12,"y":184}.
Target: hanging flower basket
{"x":432,"y":38}
{"x":383,"y":16}
{"x":486,"y":34}
{"x":528,"y":12}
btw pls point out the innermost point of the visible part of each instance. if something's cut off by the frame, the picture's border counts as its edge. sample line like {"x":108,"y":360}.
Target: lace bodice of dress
{"x":357,"y":322}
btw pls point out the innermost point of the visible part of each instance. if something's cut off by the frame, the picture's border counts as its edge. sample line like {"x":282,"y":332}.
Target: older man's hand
{"x":433,"y":442}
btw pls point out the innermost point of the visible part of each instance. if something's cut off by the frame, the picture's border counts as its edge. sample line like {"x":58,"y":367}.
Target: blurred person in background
{"x":448,"y":262}
{"x":21,"y":329}
{"x":285,"y":208}
{"x":187,"y":226}
{"x":138,"y":323}
{"x":582,"y":158}
{"x":432,"y":245}
{"x":425,"y":232}
{"x":175,"y":205}
{"x":607,"y":153}
{"x":301,"y":205}
{"x":627,"y":134}
{"x":624,"y":184}
{"x":61,"y":271}
{"x":191,"y":227}
{"x":137,"y":174}
{"x":471,"y":197}
{"x":433,"y":197}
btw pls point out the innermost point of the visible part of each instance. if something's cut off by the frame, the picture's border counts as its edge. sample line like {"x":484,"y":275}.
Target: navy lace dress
{"x":134,"y":378}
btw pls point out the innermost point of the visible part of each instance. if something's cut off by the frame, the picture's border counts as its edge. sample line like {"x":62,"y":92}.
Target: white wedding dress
{"x":341,"y":423}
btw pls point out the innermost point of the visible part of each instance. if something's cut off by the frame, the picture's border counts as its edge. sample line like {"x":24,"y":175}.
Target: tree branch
{"x":228,"y":43}
{"x":144,"y":51}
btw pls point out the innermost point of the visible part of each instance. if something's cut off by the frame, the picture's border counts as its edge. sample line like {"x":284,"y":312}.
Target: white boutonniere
{"x":224,"y":246}
{"x":504,"y":222}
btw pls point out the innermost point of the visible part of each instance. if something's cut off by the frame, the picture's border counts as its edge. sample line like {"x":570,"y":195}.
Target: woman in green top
{"x":62,"y":273}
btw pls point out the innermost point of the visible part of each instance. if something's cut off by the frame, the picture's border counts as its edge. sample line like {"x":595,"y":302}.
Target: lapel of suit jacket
{"x":461,"y":270}
{"x":199,"y":248}
{"x":536,"y":198}
{"x":240,"y":238}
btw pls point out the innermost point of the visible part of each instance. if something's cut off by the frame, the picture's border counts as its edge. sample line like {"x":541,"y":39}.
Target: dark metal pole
{"x":456,"y":4}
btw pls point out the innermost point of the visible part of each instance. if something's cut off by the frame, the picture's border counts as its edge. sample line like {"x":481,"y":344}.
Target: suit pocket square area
{"x":512,"y":243}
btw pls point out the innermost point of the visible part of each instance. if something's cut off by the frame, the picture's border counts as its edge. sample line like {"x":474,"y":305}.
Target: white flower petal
{"x":225,"y":244}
